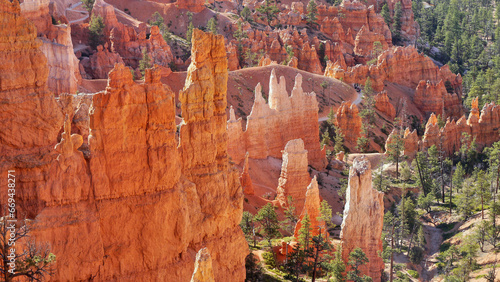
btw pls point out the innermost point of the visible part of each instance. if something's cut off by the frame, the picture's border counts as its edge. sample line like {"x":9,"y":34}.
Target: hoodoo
{"x":363,"y":218}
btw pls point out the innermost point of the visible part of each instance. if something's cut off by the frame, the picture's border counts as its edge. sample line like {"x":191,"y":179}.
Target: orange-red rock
{"x":483,"y":127}
{"x":194,"y":6}
{"x":203,"y":271}
{"x":102,"y":62}
{"x":365,"y":39}
{"x":401,"y":65}
{"x":411,"y":143}
{"x":125,"y":41}
{"x":246,"y":181}
{"x":188,"y":193}
{"x":312,"y":209}
{"x":383,"y":104}
{"x":349,"y":122}
{"x":270,"y":126}
{"x":294,"y":178}
{"x":57,"y":47}
{"x":434,"y":98}
{"x":363,"y":219}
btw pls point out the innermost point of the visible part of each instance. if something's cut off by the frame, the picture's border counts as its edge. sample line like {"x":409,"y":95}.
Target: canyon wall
{"x":140,"y":205}
{"x":363,"y":219}
{"x":401,"y":65}
{"x":271,"y":125}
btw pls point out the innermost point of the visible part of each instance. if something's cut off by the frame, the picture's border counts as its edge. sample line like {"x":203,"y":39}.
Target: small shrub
{"x":413,"y":273}
{"x":269,"y":259}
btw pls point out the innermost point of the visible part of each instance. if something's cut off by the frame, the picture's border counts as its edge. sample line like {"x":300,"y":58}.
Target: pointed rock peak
{"x":120,"y":75}
{"x":273,"y":82}
{"x":232,"y":116}
{"x":258,"y":95}
{"x":203,"y":271}
{"x":313,"y":187}
{"x":282,"y":85}
{"x":432,"y":120}
{"x":475,"y":104}
{"x":298,"y":82}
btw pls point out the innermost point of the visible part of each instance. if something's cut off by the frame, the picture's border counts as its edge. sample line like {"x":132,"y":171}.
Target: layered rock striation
{"x":129,"y":43}
{"x":383,"y":104}
{"x":363,"y":219}
{"x":271,"y":125}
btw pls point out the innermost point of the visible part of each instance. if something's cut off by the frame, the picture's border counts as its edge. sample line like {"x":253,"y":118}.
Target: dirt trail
{"x":434,"y":238}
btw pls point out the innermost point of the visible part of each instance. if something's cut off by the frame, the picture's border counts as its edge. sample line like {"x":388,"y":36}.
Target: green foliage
{"x":290,"y":214}
{"x":268,"y":220}
{"x":269,"y":259}
{"x":247,"y":223}
{"x":305,"y":232}
{"x":189,"y":32}
{"x":156,"y":19}
{"x":386,"y":14}
{"x":325,"y":139}
{"x":246,"y":14}
{"x":326,"y":213}
{"x":145,"y":62}
{"x":96,"y":31}
{"x":212,"y":25}
{"x":253,"y":268}
{"x":357,"y":258}
{"x":88,"y":5}
{"x":337,"y":267}
{"x":268,"y":11}
{"x":312,"y":12}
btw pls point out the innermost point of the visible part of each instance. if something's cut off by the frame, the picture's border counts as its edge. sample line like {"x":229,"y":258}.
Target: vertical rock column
{"x":294,"y":177}
{"x":363,"y":218}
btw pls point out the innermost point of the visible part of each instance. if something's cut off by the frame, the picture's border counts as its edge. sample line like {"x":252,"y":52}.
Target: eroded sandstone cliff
{"x":141,"y":205}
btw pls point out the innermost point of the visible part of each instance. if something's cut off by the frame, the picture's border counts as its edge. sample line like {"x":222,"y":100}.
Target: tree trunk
{"x":315,"y":262}
{"x":392,"y":253}
{"x":451,"y":189}
{"x":397,"y":167}
{"x":420,"y":175}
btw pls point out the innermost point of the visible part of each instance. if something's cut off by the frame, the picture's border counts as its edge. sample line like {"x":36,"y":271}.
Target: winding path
{"x":84,"y":13}
{"x":434,"y":238}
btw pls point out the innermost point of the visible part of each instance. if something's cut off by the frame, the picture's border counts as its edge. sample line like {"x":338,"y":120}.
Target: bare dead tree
{"x":34,"y":262}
